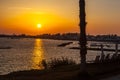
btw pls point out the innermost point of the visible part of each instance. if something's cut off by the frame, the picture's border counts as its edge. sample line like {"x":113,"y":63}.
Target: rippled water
{"x":27,"y":53}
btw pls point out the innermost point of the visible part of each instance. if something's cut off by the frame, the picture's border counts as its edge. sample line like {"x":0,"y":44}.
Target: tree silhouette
{"x":83,"y":41}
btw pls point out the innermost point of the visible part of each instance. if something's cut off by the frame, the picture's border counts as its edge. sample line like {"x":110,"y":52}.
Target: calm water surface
{"x":27,"y":53}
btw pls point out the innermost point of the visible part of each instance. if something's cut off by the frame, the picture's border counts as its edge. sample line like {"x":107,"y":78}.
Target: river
{"x":27,"y":53}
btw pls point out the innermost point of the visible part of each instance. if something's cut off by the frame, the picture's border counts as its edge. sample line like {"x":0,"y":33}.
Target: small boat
{"x":64,"y":44}
{"x":5,"y":47}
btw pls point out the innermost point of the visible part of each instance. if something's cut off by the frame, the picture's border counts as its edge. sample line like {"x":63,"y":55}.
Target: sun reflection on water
{"x":38,"y":55}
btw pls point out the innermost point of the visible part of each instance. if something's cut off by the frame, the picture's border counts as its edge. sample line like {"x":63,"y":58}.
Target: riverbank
{"x":96,"y":71}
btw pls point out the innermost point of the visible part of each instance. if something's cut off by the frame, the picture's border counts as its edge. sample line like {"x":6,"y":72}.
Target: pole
{"x":83,"y":41}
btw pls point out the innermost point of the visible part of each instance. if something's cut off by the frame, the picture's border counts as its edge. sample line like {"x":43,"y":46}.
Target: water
{"x":27,"y":53}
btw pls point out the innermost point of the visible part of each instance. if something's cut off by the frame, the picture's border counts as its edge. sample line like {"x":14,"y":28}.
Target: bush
{"x":58,"y":62}
{"x":44,"y":63}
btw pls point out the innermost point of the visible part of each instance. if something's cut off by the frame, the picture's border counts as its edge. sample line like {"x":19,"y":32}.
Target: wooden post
{"x":116,"y":48}
{"x":102,"y":50}
{"x":102,"y":53}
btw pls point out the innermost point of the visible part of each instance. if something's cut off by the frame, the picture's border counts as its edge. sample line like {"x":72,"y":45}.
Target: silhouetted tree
{"x":83,"y":41}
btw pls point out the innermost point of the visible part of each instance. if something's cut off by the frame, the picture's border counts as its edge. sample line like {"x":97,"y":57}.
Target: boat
{"x":8,"y":47}
{"x":64,"y":44}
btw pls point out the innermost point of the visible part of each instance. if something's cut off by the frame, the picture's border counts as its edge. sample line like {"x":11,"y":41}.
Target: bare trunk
{"x":83,"y":41}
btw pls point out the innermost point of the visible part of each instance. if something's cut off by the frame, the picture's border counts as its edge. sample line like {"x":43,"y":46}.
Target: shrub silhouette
{"x":58,"y":62}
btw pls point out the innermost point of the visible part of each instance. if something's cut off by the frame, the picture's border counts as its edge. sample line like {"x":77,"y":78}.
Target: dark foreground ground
{"x":95,"y":71}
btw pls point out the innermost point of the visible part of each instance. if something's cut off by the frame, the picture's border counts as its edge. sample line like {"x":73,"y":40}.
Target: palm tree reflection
{"x":38,"y":55}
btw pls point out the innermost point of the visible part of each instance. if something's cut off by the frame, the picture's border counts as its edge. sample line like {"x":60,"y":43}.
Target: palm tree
{"x":83,"y":41}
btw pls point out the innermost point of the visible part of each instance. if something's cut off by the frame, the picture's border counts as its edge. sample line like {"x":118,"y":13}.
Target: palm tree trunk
{"x":83,"y":41}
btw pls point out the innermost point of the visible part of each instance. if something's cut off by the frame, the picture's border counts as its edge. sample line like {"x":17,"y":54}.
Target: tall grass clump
{"x":58,"y":62}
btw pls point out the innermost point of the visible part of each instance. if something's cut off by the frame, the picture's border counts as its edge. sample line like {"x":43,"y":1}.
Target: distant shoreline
{"x":109,"y":41}
{"x":67,"y":36}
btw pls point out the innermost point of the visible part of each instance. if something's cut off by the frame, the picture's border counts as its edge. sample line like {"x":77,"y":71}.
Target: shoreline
{"x":65,"y":73}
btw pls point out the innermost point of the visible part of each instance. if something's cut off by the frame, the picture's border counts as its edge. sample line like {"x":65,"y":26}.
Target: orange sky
{"x":58,"y":16}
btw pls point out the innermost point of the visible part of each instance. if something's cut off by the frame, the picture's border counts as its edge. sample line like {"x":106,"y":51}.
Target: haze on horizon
{"x":58,"y":16}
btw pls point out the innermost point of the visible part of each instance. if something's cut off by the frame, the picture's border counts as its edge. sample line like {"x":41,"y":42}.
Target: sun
{"x":39,"y":25}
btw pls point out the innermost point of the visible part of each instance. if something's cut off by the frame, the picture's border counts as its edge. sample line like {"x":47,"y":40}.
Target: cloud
{"x":19,"y":8}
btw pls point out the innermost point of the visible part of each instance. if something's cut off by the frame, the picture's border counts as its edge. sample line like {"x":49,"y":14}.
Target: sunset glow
{"x":53,"y":16}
